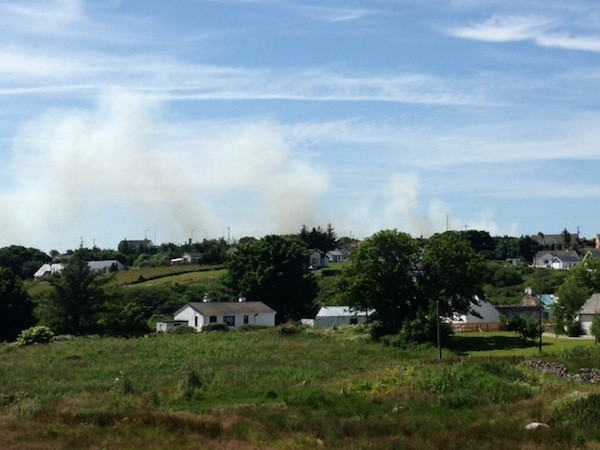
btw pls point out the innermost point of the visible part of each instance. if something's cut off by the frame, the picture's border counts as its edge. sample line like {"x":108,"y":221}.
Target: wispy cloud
{"x":334,"y":15}
{"x":542,"y":31}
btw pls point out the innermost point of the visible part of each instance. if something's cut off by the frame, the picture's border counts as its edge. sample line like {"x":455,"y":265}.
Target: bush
{"x":215,"y":327}
{"x":596,"y":328}
{"x":290,"y":328}
{"x":35,"y":335}
{"x":249,"y":327}
{"x":181,"y":330}
{"x":574,"y":329}
{"x":526,"y":328}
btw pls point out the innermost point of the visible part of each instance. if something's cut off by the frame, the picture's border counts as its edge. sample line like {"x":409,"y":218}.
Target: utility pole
{"x":439,"y":338}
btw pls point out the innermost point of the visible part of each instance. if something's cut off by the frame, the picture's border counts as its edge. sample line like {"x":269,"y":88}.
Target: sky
{"x":229,"y":118}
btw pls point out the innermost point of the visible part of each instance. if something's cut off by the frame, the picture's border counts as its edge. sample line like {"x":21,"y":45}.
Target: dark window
{"x":353,"y":320}
{"x":196,"y":321}
{"x":245,"y":319}
{"x":212,"y":319}
{"x":229,"y":321}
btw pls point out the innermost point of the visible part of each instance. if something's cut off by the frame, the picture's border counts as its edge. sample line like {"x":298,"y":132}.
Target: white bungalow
{"x":340,"y":316}
{"x":588,"y":312}
{"x":232,"y":314}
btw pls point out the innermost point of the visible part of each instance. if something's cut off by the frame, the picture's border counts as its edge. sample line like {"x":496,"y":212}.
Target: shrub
{"x":596,"y":328}
{"x":181,"y":330}
{"x":574,"y":329}
{"x":526,"y":328}
{"x":290,"y":328}
{"x":35,"y":335}
{"x":215,"y":327}
{"x":249,"y":327}
{"x":192,"y":381}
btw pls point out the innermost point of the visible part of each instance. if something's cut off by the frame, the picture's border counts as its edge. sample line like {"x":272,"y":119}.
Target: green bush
{"x":290,"y":328}
{"x":181,"y":330}
{"x":574,"y":329}
{"x":596,"y":328}
{"x":35,"y":335}
{"x":249,"y":327}
{"x":215,"y":327}
{"x":527,"y":328}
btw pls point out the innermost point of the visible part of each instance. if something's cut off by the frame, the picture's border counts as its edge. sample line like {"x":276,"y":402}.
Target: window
{"x":196,"y":321}
{"x":353,"y":320}
{"x":212,"y":319}
{"x":229,"y":321}
{"x":245,"y":319}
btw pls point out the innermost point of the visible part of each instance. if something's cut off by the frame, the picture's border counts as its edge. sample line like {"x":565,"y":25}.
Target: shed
{"x":339,"y":316}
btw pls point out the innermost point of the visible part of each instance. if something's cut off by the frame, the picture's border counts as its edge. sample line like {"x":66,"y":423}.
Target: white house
{"x":232,"y":314}
{"x":588,"y":312}
{"x":317,"y":259}
{"x":558,"y":260}
{"x":335,"y":255}
{"x":47,"y":269}
{"x":339,"y":316}
{"x":483,"y":317}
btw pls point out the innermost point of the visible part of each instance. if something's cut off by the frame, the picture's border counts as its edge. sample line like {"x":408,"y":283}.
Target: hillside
{"x":274,"y":388}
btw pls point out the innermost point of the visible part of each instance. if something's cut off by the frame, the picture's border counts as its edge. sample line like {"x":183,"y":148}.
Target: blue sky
{"x":187,"y":119}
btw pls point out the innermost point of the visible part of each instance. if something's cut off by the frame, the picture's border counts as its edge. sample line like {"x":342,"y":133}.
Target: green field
{"x":271,"y":389}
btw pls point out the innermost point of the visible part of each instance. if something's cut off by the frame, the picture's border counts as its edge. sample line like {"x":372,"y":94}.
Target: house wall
{"x":188,"y":315}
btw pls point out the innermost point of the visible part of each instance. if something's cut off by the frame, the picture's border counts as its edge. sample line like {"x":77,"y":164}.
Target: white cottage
{"x":232,"y":314}
{"x":588,"y":312}
{"x":340,"y":316}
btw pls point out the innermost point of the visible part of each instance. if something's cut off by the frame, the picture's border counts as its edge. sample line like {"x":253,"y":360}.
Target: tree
{"x":273,"y":270}
{"x":453,"y":273}
{"x":323,"y":240}
{"x":16,"y":308}
{"x":22,"y":261}
{"x":581,"y":282}
{"x":381,"y":276}
{"x":74,"y":303}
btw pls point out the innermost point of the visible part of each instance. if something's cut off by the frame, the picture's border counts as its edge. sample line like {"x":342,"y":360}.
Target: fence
{"x":472,"y":327}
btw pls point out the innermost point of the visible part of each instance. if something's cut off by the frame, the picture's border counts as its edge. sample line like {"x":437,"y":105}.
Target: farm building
{"x":340,"y":316}
{"x":588,"y":312}
{"x":106,"y":266}
{"x":232,"y":314}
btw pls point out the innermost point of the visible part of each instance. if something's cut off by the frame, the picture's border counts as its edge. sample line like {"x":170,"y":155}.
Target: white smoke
{"x":121,"y":170}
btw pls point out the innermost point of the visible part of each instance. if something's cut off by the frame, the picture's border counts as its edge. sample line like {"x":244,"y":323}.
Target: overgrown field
{"x":280,"y":388}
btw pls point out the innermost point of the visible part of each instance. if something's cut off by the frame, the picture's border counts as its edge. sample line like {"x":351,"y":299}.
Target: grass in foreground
{"x":262,"y":389}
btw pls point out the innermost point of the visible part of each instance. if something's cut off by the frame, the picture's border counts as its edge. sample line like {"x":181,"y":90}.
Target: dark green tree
{"x":581,"y":282}
{"x":23,"y":262}
{"x":381,"y":276}
{"x":16,"y":308}
{"x":453,"y":273}
{"x":318,"y":238}
{"x":76,"y":299}
{"x":273,"y":270}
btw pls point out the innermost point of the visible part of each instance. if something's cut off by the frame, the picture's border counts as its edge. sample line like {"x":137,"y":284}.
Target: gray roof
{"x":221,"y":308}
{"x":341,"y":311}
{"x":591,"y":305}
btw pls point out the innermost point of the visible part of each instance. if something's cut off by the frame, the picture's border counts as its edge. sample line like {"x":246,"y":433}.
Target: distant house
{"x":530,"y":306}
{"x":317,"y":259}
{"x":482,"y":317}
{"x":335,"y":255}
{"x":588,"y":312}
{"x":557,"y":239}
{"x":232,"y":314}
{"x":192,"y":257}
{"x":106,"y":266}
{"x":558,"y":260}
{"x":340,"y":316}
{"x":46,"y":270}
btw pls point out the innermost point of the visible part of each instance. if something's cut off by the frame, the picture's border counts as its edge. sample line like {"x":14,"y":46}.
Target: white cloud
{"x":542,"y":31}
